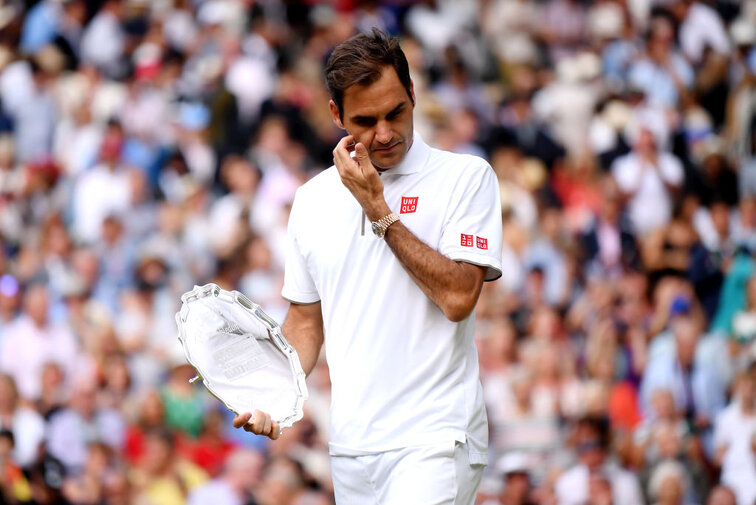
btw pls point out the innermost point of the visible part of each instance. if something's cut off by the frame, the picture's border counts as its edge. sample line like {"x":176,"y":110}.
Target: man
{"x":594,"y":470}
{"x":388,"y":253}
{"x":33,"y":340}
{"x":241,"y":473}
{"x":734,"y":430}
{"x":688,"y":372}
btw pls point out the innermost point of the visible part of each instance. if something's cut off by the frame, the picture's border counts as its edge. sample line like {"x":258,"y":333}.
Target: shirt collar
{"x":414,"y":160}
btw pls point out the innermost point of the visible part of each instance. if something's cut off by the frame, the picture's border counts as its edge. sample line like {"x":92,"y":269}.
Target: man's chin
{"x":387,"y":160}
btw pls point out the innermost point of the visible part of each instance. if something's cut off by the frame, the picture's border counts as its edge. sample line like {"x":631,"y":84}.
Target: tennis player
{"x":389,"y":249}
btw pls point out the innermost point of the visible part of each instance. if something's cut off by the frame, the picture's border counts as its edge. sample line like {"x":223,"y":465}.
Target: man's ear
{"x":412,"y":92}
{"x":335,"y":114}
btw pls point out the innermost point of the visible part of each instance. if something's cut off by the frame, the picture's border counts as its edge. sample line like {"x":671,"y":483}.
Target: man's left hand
{"x":361,"y":178}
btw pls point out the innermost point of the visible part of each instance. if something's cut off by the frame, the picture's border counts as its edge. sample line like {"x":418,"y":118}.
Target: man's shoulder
{"x":571,"y":481}
{"x":629,"y":161}
{"x":728,"y":415}
{"x":457,"y":161}
{"x":326,"y":180}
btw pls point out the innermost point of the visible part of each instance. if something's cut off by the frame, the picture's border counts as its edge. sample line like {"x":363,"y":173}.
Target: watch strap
{"x":387,"y":221}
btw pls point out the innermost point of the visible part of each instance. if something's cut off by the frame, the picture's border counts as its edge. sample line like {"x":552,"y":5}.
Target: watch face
{"x":377,"y":229}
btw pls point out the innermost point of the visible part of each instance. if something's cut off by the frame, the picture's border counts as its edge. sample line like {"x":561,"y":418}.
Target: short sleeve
{"x":625,"y":174}
{"x":722,"y":430}
{"x":298,"y":285}
{"x":672,"y":170}
{"x":472,"y":232}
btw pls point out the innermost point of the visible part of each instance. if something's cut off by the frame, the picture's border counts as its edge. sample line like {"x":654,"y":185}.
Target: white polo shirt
{"x":402,"y":374}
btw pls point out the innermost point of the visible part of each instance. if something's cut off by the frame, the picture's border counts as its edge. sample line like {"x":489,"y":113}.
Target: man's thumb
{"x":360,"y":151}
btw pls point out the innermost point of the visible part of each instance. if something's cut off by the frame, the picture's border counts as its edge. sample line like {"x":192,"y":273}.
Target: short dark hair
{"x":360,"y":60}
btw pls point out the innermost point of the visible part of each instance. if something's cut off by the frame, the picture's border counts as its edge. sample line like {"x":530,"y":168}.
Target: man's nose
{"x":383,"y":132}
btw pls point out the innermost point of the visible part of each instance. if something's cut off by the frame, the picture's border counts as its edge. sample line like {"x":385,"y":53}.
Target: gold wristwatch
{"x":380,"y":226}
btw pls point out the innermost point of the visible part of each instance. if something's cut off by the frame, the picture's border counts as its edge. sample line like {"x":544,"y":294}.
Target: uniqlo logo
{"x":481,"y":242}
{"x":409,"y":204}
{"x":466,"y":240}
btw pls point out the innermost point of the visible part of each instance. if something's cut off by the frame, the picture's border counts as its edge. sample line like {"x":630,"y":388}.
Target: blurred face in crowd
{"x":645,"y":145}
{"x":589,"y":448}
{"x":6,"y":447}
{"x":244,"y":469}
{"x":158,"y":453}
{"x":660,"y":40}
{"x":8,"y":395}
{"x":747,"y":210}
{"x":720,"y":215}
{"x":516,"y":488}
{"x":151,"y":410}
{"x":379,"y":115}
{"x":239,"y":175}
{"x":281,"y":484}
{"x":52,"y":377}
{"x":83,"y":399}
{"x":686,"y":338}
{"x":612,"y":203}
{"x":667,"y":440}
{"x":671,"y":490}
{"x":747,"y":389}
{"x":663,"y":404}
{"x":599,"y":490}
{"x":35,"y":304}
{"x":721,"y":495}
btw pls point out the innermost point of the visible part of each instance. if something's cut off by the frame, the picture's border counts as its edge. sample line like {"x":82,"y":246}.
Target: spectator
{"x":668,"y":484}
{"x":517,"y":484}
{"x":241,"y":475}
{"x":721,"y":495}
{"x":164,"y":477}
{"x":648,"y":178}
{"x":662,"y":73}
{"x":32,"y":341}
{"x":82,"y":423}
{"x":14,"y":487}
{"x":733,"y":438}
{"x":26,"y":427}
{"x":695,"y":383}
{"x":592,"y":444}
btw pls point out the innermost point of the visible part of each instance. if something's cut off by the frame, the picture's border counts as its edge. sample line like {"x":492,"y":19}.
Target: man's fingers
{"x":363,"y":159}
{"x":361,"y":150}
{"x":241,"y":419}
{"x":262,"y":424}
{"x":266,"y":426}
{"x":258,"y":424}
{"x":341,"y":157}
{"x":275,"y":430}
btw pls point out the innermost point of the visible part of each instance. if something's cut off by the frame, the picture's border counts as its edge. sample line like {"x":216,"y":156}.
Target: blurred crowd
{"x":148,"y":146}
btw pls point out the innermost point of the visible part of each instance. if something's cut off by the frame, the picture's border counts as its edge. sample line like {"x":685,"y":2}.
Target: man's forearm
{"x":453,"y":286}
{"x":303,"y":329}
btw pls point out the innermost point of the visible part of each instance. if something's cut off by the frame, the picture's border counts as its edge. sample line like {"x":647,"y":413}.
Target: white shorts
{"x":424,"y":475}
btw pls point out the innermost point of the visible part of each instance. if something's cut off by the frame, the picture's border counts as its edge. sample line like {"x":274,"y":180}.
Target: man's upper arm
{"x":299,"y":286}
{"x":473,"y":232}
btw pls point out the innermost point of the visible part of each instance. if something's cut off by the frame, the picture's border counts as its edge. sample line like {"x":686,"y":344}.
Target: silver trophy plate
{"x":240,"y":354}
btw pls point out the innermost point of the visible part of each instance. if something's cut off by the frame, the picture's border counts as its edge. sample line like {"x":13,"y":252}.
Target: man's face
{"x":380,"y":116}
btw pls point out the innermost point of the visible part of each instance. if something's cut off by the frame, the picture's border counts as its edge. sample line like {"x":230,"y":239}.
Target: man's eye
{"x":365,"y":122}
{"x":393,"y":115}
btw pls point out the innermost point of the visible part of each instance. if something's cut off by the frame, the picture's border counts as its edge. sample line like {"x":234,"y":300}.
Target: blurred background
{"x":147,"y":146}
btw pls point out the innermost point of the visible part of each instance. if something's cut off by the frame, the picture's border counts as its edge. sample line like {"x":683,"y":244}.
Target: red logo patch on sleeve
{"x":466,"y":240}
{"x":409,"y":204}
{"x":481,"y":242}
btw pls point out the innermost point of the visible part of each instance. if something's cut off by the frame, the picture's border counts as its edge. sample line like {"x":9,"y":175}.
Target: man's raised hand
{"x":360,"y":177}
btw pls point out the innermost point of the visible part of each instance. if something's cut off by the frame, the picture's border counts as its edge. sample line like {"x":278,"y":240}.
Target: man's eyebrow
{"x":396,"y":109}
